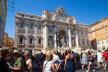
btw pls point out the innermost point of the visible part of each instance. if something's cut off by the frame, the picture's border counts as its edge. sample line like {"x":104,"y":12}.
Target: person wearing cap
{"x":18,"y":62}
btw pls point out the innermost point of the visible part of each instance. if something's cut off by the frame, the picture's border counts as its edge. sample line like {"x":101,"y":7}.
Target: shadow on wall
{"x":94,"y":44}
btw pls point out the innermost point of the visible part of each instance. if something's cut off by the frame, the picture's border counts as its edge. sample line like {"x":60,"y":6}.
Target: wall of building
{"x":3,"y":13}
{"x":99,"y":33}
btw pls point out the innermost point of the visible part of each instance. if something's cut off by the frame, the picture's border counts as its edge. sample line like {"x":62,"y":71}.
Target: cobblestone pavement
{"x":92,"y":71}
{"x":96,"y":70}
{"x":94,"y":67}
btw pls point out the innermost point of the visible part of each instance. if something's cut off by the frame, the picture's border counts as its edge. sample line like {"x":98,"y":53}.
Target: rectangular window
{"x":31,"y":26}
{"x":72,"y":31}
{"x":99,"y":25}
{"x":51,"y":29}
{"x":107,"y":41}
{"x":104,"y":24}
{"x":39,"y":41}
{"x":102,"y":42}
{"x":21,"y":40}
{"x":83,"y":42}
{"x":30,"y":41}
{"x":21,"y":25}
{"x":98,"y":43}
{"x":39,"y":27}
{"x":105,"y":29}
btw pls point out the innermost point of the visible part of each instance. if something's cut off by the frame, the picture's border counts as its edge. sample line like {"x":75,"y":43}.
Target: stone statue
{"x":63,"y":42}
{"x":69,"y":20}
{"x":74,"y":20}
{"x":45,"y":14}
{"x":54,"y":17}
{"x":60,"y":11}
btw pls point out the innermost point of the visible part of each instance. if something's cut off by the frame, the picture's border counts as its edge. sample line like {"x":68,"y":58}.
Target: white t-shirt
{"x":47,"y":66}
{"x":56,"y":58}
{"x":99,"y":57}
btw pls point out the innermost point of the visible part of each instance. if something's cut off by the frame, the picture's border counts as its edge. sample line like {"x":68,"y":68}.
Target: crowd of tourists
{"x":52,"y":61}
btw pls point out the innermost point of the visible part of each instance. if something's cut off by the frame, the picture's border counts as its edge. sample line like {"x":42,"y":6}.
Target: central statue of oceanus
{"x":63,"y":44}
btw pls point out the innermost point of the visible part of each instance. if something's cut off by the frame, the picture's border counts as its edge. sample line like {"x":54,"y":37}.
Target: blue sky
{"x":86,"y":11}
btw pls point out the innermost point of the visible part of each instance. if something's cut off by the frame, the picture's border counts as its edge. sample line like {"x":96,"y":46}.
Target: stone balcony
{"x":22,"y":45}
{"x":21,"y":31}
{"x":31,"y":45}
{"x":39,"y":32}
{"x":30,"y":31}
{"x":39,"y":46}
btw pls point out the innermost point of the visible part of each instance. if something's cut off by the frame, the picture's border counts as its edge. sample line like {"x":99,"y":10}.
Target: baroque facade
{"x":51,"y":30}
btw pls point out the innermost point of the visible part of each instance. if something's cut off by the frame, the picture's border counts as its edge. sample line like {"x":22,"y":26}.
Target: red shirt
{"x":105,"y":54}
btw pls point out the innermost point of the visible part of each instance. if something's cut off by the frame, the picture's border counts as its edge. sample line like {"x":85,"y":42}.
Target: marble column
{"x":69,"y":37}
{"x":55,"y":37}
{"x":76,"y":40}
{"x":16,"y":36}
{"x":35,"y":35}
{"x":45,"y":35}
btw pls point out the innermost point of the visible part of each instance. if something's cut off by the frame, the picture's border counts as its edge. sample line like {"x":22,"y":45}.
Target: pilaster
{"x":45,"y":35}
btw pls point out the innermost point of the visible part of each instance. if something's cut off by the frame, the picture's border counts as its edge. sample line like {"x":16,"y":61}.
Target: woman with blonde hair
{"x":47,"y":66}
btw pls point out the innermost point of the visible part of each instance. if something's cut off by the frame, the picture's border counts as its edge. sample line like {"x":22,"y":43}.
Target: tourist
{"x":41,"y":60}
{"x":56,"y":66}
{"x":105,"y":55}
{"x":18,"y":62}
{"x":56,"y":61}
{"x":84,"y":61}
{"x":69,"y":62}
{"x":35,"y":63}
{"x":90,"y":60}
{"x":55,"y":56}
{"x":76,"y":56}
{"x":99,"y":58}
{"x":28,"y":61}
{"x":47,"y":66}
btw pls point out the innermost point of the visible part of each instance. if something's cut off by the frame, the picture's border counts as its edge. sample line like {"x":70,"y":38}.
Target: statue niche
{"x":62,"y":38}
